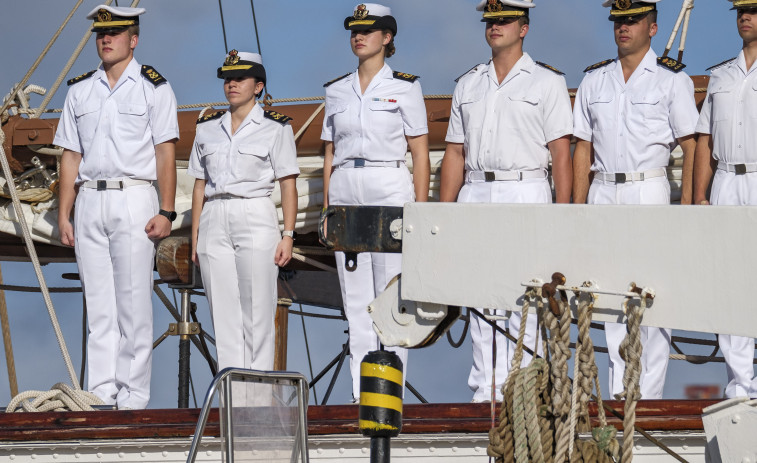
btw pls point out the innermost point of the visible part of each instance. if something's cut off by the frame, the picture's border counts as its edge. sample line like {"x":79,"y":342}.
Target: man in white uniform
{"x":629,"y":114}
{"x":118,"y":131}
{"x":507,"y":118}
{"x":728,"y":142}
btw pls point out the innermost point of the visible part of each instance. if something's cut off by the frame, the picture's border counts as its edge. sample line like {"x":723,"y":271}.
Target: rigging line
{"x":307,"y":350}
{"x":257,"y":37}
{"x":223,"y":27}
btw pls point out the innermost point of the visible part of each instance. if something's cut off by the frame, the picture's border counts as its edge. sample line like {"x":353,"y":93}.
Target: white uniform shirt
{"x":373,"y":125}
{"x":729,"y":112}
{"x":116,"y":130}
{"x":244,"y":163}
{"x":634,"y":125}
{"x":507,"y":126}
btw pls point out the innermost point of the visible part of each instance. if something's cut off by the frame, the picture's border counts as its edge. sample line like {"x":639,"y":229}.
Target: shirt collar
{"x":132,"y":71}
{"x":741,"y":63}
{"x":255,"y":115}
{"x":384,"y":73}
{"x":525,"y":63}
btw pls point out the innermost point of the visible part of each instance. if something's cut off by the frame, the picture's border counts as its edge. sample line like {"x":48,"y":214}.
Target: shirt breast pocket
{"x":209,"y":160}
{"x":472,"y":109}
{"x":132,"y":120}
{"x":602,"y":110}
{"x":252,"y":162}
{"x":385,"y":116}
{"x":722,"y":99}
{"x":340,"y":119}
{"x":87,"y":117}
{"x":650,"y":106}
{"x":523,"y":109}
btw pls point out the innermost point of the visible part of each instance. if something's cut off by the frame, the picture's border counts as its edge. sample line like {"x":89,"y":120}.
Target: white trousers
{"x":116,"y":260}
{"x":729,"y":189}
{"x":482,"y":338}
{"x":236,"y":243}
{"x":368,"y":186}
{"x":655,"y":341}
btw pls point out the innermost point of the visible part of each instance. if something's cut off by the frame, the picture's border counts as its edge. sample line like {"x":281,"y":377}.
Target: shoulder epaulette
{"x":336,"y":80}
{"x":81,"y":77}
{"x":547,"y":66}
{"x":211,"y":116}
{"x":473,"y":69}
{"x":721,"y":64}
{"x":152,"y":75}
{"x":599,"y":65}
{"x":670,"y":63}
{"x":404,"y":76}
{"x":278,"y":117}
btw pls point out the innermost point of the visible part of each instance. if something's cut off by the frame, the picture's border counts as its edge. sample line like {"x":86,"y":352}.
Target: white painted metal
{"x":402,"y":323}
{"x":731,"y":427}
{"x":700,"y":261}
{"x":441,"y":448}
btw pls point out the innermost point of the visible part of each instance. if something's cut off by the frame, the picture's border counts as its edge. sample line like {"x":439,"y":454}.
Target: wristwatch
{"x":170,"y":215}
{"x":289,"y":233}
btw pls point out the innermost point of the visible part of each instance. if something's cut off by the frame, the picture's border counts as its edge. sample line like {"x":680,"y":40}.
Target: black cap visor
{"x":371,"y":22}
{"x":242,"y":69}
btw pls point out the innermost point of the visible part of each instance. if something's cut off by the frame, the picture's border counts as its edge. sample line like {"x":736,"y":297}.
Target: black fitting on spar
{"x":381,"y":384}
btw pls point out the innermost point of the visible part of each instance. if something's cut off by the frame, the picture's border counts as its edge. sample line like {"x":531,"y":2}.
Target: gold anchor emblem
{"x":361,"y":12}
{"x":623,"y":4}
{"x":104,"y":15}
{"x":494,"y":6}
{"x":232,"y":59}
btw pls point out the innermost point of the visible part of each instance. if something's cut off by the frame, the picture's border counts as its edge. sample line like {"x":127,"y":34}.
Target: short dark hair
{"x":133,"y":30}
{"x":524,"y":20}
{"x":652,"y":17}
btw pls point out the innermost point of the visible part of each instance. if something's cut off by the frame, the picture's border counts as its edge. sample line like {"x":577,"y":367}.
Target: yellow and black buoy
{"x":381,"y":401}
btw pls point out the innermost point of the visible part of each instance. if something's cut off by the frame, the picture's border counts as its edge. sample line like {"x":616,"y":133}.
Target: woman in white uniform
{"x":236,"y":157}
{"x":371,"y":118}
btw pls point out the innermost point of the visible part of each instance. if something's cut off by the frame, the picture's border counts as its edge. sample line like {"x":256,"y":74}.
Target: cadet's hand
{"x":158,"y":227}
{"x":194,"y":256}
{"x":702,"y":202}
{"x":283,"y":251}
{"x":66,"y":232}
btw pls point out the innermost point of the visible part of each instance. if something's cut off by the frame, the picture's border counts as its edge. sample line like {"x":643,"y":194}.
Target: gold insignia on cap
{"x":623,"y":4}
{"x":494,"y":6}
{"x":104,"y":15}
{"x":361,"y":12}
{"x":232,"y":58}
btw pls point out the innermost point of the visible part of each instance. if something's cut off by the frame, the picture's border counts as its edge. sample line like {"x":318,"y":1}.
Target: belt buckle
{"x":489,"y":177}
{"x":359,"y":163}
{"x":620,"y":177}
{"x":102,"y":185}
{"x":740,"y":169}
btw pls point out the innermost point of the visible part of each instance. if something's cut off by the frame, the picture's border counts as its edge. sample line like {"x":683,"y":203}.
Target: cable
{"x":223,"y":27}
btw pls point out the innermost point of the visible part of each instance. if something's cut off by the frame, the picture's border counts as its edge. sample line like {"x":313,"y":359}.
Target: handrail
{"x":223,"y":378}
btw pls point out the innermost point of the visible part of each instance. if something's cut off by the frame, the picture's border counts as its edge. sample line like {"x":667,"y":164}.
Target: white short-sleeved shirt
{"x":507,"y":126}
{"x":373,"y":125}
{"x":116,"y":130}
{"x":729,"y":112}
{"x":634,"y":125}
{"x":247,"y":162}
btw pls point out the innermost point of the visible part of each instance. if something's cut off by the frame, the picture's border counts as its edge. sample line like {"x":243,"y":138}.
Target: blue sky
{"x":304,"y":45}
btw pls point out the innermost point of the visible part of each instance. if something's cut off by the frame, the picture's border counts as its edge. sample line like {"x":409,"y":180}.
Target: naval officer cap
{"x":369,"y":16}
{"x":628,"y":9}
{"x":744,"y":4}
{"x":242,"y":64}
{"x":114,"y":18}
{"x":496,"y":10}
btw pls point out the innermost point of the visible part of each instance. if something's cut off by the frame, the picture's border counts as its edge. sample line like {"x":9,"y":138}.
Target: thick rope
{"x":61,"y":397}
{"x":10,"y":362}
{"x":631,"y":350}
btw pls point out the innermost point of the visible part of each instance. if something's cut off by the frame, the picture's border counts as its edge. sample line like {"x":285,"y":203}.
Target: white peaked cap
{"x":515,"y":3}
{"x":124,"y":11}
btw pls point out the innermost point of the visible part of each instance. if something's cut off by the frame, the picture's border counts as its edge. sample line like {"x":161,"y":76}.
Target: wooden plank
{"x":662,"y":415}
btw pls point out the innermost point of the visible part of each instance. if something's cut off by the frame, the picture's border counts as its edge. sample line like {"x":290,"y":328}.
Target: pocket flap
{"x":132,"y":109}
{"x":86,"y":108}
{"x":253,"y":150}
{"x":383,"y":105}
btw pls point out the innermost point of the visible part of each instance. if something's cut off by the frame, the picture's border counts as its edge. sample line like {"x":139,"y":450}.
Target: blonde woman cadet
{"x":236,"y":157}
{"x":373,"y":115}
